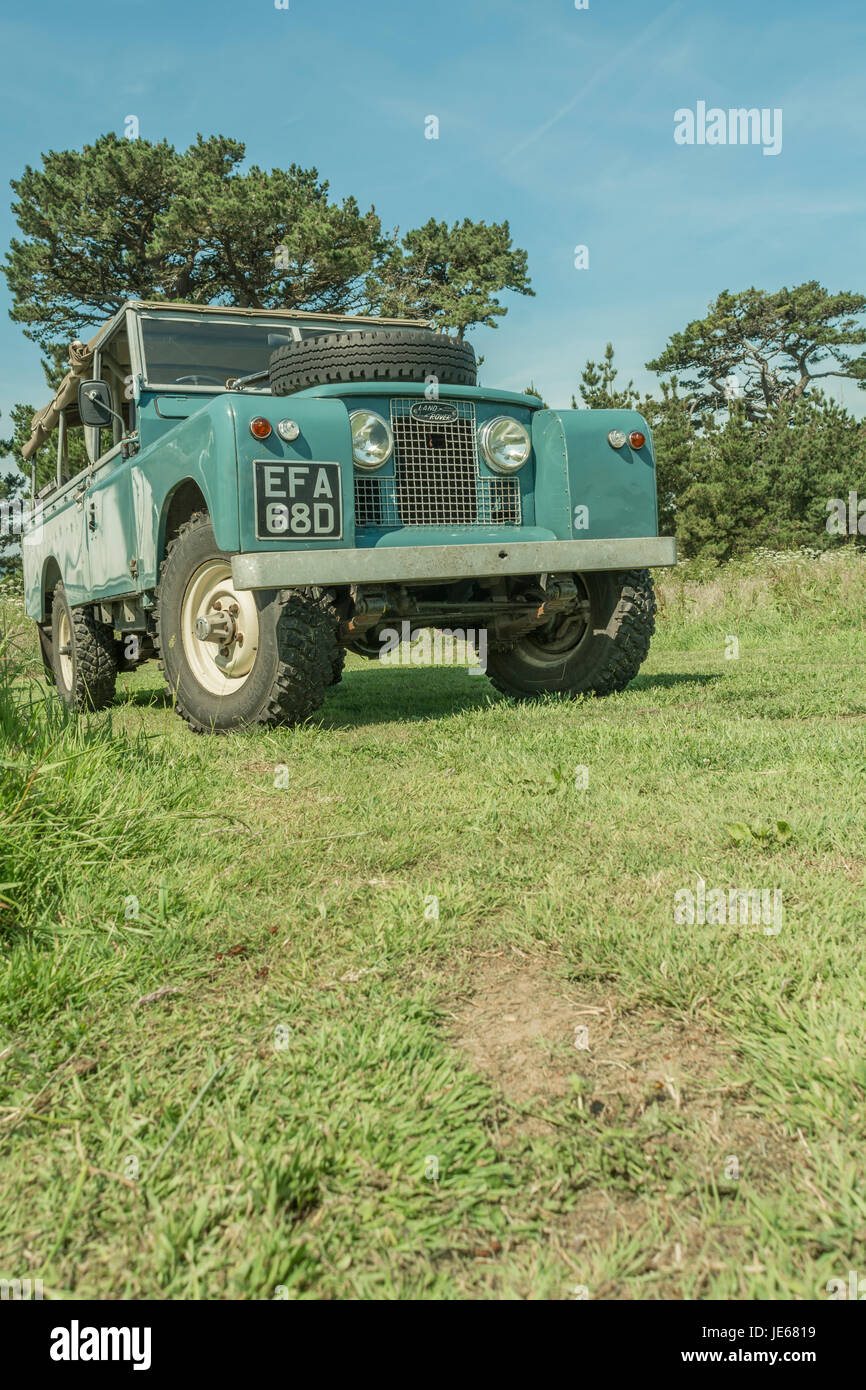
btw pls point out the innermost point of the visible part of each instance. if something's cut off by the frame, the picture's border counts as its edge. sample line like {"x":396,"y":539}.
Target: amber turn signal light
{"x":636,"y":439}
{"x":260,"y":428}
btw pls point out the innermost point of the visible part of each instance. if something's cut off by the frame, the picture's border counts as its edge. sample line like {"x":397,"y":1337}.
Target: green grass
{"x":322,"y":1041}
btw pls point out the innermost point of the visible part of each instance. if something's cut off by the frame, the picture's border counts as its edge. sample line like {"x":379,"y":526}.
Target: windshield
{"x":185,"y":352}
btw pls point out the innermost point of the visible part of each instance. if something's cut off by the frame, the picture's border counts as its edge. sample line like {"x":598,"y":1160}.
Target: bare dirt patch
{"x":538,"y":1037}
{"x":664,"y":1105}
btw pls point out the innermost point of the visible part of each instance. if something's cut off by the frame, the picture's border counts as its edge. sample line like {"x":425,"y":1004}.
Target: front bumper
{"x":284,"y":569}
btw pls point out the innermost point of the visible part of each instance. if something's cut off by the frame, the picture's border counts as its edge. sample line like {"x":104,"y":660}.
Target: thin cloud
{"x":600,"y":75}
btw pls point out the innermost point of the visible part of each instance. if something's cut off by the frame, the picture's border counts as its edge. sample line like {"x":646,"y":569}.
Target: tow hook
{"x":369,"y":605}
{"x":560,"y":596}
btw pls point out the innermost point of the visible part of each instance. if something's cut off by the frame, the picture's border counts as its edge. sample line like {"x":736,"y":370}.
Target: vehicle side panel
{"x":109,"y":524}
{"x":58,"y":533}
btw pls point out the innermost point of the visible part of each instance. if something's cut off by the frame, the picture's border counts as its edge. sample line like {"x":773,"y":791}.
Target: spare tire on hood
{"x":394,"y":354}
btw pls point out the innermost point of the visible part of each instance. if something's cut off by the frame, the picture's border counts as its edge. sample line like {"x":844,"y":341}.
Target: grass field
{"x":392,"y":1006}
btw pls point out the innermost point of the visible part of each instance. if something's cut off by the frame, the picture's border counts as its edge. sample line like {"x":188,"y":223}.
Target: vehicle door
{"x":110,"y":518}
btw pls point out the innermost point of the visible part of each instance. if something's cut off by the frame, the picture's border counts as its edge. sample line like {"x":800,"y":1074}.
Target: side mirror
{"x":94,"y":404}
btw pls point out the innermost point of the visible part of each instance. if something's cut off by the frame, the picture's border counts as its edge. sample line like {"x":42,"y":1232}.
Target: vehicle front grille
{"x":436,"y":479}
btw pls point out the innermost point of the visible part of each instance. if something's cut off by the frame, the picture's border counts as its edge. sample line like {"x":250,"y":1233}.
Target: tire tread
{"x":94,"y":657}
{"x":396,"y":355}
{"x":633,"y":622}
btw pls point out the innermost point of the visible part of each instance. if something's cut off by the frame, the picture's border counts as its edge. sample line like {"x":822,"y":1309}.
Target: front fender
{"x":585,"y":488}
{"x":201,"y":449}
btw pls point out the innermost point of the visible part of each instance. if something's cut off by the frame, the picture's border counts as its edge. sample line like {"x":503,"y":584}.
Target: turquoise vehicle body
{"x":578,"y":504}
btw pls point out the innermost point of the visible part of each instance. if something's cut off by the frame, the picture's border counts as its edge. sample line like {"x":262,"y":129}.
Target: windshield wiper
{"x":234,"y":383}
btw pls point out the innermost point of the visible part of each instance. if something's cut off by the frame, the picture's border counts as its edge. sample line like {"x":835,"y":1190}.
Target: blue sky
{"x":559,"y":119}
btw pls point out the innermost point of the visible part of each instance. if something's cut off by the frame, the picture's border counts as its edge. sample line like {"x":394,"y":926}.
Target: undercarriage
{"x":506,"y":608}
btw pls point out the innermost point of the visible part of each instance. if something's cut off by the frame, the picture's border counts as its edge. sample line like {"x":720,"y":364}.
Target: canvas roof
{"x":44,"y":422}
{"x":81,"y":355}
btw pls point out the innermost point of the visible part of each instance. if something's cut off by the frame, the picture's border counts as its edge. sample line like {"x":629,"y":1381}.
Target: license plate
{"x":297,"y":500}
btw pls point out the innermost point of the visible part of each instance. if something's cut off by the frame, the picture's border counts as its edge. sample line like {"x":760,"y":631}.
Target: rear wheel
{"x":82,"y":654}
{"x":236,"y":658}
{"x":575,"y":655}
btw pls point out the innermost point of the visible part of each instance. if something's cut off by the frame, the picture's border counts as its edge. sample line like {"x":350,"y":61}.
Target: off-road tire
{"x":93,"y":677}
{"x":286,"y":683}
{"x":332,"y":653}
{"x":395,"y":354}
{"x":605,"y":657}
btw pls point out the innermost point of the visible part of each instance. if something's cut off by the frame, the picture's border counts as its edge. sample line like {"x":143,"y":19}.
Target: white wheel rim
{"x":220,"y":670}
{"x":64,"y":639}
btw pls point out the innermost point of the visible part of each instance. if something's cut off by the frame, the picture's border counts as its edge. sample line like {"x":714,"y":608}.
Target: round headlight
{"x":372,"y":440}
{"x":505,"y":444}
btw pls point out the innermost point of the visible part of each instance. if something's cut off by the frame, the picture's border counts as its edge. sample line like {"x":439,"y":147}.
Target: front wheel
{"x":237,"y":658}
{"x":576,"y":654}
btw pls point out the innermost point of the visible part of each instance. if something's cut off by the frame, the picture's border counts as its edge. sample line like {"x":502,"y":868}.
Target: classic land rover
{"x":257,"y":491}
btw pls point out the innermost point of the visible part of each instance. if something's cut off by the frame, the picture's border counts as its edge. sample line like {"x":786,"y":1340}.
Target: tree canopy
{"x":124,"y":219}
{"x":730,"y":479}
{"x":451,"y":274}
{"x":765,"y":348}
